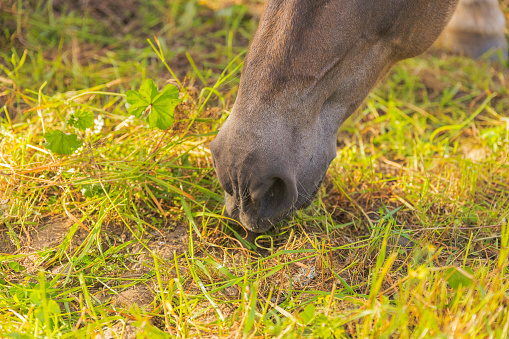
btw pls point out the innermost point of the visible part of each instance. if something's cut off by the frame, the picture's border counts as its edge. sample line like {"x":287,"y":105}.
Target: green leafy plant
{"x":82,"y":119}
{"x":159,"y":106}
{"x":458,"y":277}
{"x":62,"y":143}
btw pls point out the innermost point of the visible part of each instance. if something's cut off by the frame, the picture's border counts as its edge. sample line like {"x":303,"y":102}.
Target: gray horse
{"x":310,"y":65}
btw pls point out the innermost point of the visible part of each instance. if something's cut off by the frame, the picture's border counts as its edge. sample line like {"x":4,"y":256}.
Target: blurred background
{"x":79,"y":44}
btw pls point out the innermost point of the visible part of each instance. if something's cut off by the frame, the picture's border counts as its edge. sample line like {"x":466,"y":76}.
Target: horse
{"x":310,"y":65}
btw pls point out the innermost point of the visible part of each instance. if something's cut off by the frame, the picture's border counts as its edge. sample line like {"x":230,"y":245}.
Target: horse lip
{"x":308,"y":200}
{"x":261,"y":225}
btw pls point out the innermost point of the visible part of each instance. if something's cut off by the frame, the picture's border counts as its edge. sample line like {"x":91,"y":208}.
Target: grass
{"x":408,"y":237}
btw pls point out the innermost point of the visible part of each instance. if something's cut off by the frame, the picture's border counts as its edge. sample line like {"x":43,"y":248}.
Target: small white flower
{"x":98,"y":124}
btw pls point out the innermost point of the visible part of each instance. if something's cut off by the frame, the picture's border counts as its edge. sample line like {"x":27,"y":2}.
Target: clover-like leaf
{"x":15,"y":266}
{"x":53,"y":307}
{"x":169,"y":92}
{"x":148,"y":90}
{"x":138,"y":104}
{"x":308,"y":314}
{"x":457,"y":277}
{"x":35,"y":298}
{"x":91,"y":190}
{"x":160,"y":105}
{"x":62,"y":143}
{"x":82,"y":119}
{"x":139,"y":101}
{"x":163,"y":106}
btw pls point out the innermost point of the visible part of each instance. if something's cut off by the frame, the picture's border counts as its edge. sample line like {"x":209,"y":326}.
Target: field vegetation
{"x":125,"y":236}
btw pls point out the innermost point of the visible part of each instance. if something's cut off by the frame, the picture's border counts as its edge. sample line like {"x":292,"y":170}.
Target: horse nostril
{"x":277,"y":199}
